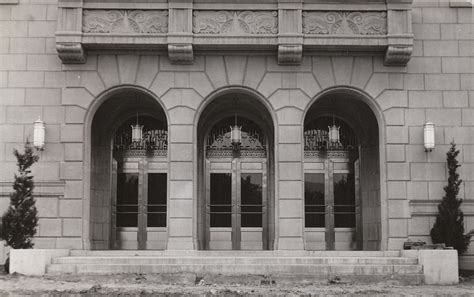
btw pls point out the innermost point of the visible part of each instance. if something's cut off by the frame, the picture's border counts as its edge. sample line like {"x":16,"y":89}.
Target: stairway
{"x":369,"y":265}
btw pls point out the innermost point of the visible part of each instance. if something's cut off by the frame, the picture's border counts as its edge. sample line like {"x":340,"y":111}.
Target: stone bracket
{"x":71,"y":53}
{"x":180,"y":53}
{"x":398,"y":55}
{"x":290,"y":54}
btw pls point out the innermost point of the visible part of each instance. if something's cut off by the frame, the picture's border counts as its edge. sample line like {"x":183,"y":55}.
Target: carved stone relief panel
{"x":235,"y":22}
{"x":345,"y":22}
{"x":125,"y":21}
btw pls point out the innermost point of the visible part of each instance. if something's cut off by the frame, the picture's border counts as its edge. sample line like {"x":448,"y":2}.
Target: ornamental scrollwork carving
{"x":125,"y":21}
{"x":235,"y":22}
{"x":345,"y":22}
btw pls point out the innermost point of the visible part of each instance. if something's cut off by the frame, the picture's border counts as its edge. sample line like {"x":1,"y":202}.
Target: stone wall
{"x":436,"y":85}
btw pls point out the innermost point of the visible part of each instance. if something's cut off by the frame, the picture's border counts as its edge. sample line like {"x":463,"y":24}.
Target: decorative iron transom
{"x":154,"y":140}
{"x":329,"y":137}
{"x":219,"y":143}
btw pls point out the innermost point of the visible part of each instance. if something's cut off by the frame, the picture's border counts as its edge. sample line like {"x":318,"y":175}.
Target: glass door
{"x":139,"y":208}
{"x":332,"y":208}
{"x":236,"y":206}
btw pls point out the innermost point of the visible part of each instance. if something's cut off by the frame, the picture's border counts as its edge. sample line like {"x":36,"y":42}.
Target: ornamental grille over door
{"x":219,"y":143}
{"x":329,"y":137}
{"x":154,"y":141}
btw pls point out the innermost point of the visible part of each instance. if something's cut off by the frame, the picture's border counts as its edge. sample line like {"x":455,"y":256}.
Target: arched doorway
{"x":129,"y":180}
{"x":342,"y":174}
{"x":236,"y":180}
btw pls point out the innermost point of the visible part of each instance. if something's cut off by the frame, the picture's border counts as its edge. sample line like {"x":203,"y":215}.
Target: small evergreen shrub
{"x":21,"y":218}
{"x":449,"y":225}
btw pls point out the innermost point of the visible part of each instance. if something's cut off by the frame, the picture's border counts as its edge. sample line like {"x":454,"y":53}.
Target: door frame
{"x":326,"y":167}
{"x":142,"y":166}
{"x":236,"y":170}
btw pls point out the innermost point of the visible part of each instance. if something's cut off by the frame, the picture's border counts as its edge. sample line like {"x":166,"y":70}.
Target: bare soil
{"x":190,"y":285}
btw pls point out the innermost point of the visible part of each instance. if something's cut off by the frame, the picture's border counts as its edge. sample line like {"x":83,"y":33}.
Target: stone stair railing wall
{"x":288,"y":26}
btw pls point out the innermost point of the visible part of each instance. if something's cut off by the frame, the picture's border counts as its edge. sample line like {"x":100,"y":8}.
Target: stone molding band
{"x":179,"y":30}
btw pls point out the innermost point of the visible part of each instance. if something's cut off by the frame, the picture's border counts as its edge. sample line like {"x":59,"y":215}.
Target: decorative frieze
{"x":125,"y":21}
{"x":345,"y":22}
{"x":235,"y":22}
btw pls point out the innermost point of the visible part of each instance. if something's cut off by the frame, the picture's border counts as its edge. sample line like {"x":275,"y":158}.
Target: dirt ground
{"x":189,"y":285}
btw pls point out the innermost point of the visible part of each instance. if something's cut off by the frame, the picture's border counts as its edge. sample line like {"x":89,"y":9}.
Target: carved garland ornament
{"x":345,"y":22}
{"x":235,"y":22}
{"x":125,"y":21}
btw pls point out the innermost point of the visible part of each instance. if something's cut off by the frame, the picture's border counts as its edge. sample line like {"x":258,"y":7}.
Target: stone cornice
{"x":288,"y":26}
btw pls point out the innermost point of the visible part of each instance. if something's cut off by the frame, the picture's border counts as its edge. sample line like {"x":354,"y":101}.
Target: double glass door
{"x":139,"y":208}
{"x":332,"y":205}
{"x":236,"y":207}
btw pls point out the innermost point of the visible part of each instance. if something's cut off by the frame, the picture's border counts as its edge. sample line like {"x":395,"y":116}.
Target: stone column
{"x":290,"y":194}
{"x":181,"y":176}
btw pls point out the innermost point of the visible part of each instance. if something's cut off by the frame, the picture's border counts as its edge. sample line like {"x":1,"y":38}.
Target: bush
{"x":21,"y":218}
{"x":449,"y":225}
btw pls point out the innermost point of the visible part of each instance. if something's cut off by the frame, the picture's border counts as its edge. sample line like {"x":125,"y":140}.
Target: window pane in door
{"x":314,"y":203}
{"x":156,"y":208}
{"x":251,"y":199}
{"x":344,"y":200}
{"x":221,"y":200}
{"x":127,"y":200}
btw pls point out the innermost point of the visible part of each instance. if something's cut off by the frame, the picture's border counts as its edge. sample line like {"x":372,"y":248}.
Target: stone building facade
{"x":287,"y":72}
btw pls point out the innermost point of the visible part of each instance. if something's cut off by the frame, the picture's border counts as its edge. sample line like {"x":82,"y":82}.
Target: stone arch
{"x":220,"y":104}
{"x":365,"y":116}
{"x":112,"y":118}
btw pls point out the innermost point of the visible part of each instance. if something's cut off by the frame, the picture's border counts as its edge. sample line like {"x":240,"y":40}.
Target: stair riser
{"x":123,"y":253}
{"x":233,"y":261}
{"x":320,"y":270}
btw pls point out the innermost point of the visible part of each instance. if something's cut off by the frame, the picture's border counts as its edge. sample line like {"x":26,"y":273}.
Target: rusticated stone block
{"x":181,"y":170}
{"x":291,"y":208}
{"x":397,"y":190}
{"x":290,"y":171}
{"x":49,"y":227}
{"x":396,"y":153}
{"x":290,"y":190}
{"x":72,"y":133}
{"x":180,"y":227}
{"x":425,"y":99}
{"x":290,"y":227}
{"x":181,"y":189}
{"x":47,"y":207}
{"x":72,"y":227}
{"x":181,"y":208}
{"x":417,"y":190}
{"x":70,"y":208}
{"x":398,"y":171}
{"x":25,"y":79}
{"x":71,"y":170}
{"x":398,"y":228}
{"x":428,"y":171}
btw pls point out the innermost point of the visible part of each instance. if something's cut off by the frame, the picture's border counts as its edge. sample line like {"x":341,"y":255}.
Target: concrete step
{"x":149,"y":253}
{"x":238,"y":269}
{"x":213,"y":260}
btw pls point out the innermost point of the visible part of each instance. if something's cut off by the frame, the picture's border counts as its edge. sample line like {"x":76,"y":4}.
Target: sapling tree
{"x":21,"y":218}
{"x":449,"y":225}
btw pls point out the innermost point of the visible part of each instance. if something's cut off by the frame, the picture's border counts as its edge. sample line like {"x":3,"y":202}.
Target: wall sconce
{"x":429,"y":136}
{"x":236,"y":135}
{"x":39,"y":134}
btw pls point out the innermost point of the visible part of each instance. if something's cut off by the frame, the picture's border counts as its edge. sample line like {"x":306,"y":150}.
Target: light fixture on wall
{"x":137,"y":132}
{"x":429,"y":136}
{"x":236,"y":135}
{"x":39,"y":133}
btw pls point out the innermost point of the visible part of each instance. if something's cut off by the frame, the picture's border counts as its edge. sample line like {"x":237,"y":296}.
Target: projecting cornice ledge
{"x":289,"y":27}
